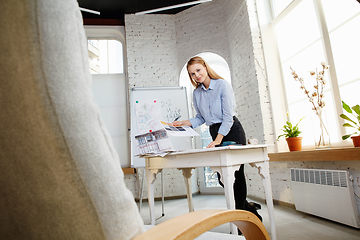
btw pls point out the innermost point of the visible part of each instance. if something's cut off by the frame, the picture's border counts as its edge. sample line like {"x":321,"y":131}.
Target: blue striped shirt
{"x":214,"y":105}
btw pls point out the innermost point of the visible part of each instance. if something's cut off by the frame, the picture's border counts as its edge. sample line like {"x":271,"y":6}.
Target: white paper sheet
{"x":183,"y":131}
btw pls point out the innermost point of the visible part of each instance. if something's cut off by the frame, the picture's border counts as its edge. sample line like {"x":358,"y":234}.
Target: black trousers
{"x":236,"y":134}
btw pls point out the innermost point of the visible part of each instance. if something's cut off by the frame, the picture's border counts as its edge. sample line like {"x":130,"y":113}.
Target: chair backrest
{"x":60,"y":177}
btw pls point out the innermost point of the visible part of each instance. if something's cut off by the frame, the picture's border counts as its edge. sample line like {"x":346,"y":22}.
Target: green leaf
{"x":299,"y":122}
{"x":347,"y":118}
{"x":346,"y":107}
{"x":348,"y":125}
{"x":356,"y":108}
{"x":280,"y":136}
{"x":296,"y":133}
{"x":349,"y":135}
{"x":346,"y":137}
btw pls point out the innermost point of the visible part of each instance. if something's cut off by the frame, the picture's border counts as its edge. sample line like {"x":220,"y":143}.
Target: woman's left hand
{"x":213,"y":144}
{"x":216,"y":142}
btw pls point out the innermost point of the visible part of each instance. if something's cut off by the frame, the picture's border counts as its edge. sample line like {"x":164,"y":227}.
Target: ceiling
{"x":115,"y":9}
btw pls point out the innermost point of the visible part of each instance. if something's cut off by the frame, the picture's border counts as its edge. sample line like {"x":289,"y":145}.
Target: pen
{"x":177,"y":118}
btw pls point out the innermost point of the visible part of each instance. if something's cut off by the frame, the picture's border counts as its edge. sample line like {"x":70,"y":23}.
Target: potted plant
{"x":291,"y":134}
{"x":355,"y":112}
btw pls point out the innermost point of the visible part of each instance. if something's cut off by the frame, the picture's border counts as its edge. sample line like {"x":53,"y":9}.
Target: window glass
{"x":280,"y":5}
{"x":297,"y":30}
{"x":346,"y":56}
{"x":105,"y":56}
{"x":303,"y":62}
{"x":337,"y":12}
{"x":350,"y":93}
{"x":346,"y":51}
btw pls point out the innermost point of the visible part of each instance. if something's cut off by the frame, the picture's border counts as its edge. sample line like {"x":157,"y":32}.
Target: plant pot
{"x":356,"y":141}
{"x":294,"y":143}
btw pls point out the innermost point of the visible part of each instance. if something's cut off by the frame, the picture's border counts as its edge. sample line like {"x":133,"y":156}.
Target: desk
{"x":225,"y":160}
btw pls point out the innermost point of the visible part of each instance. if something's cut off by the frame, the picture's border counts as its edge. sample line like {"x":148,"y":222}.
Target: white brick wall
{"x":201,"y":29}
{"x":250,"y":85}
{"x":151,"y":50}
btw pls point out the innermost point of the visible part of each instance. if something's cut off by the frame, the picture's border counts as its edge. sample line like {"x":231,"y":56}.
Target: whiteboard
{"x":173,"y":103}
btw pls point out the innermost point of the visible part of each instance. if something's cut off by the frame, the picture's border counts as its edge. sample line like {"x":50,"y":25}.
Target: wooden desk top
{"x":333,"y":154}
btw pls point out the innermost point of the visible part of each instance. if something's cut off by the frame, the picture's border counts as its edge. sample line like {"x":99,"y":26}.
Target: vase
{"x":294,"y":143}
{"x":320,"y":129}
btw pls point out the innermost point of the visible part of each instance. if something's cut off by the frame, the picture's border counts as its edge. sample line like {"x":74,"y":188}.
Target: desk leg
{"x":265,"y":175}
{"x":228,"y":178}
{"x":187,"y":177}
{"x":151,"y":177}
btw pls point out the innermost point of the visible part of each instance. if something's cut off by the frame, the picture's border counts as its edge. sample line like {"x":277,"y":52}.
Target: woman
{"x":214,"y":103}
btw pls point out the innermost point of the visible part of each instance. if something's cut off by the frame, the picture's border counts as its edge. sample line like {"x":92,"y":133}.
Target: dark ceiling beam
{"x":103,"y":22}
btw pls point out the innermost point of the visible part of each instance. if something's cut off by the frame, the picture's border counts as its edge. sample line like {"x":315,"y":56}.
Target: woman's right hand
{"x":181,"y":123}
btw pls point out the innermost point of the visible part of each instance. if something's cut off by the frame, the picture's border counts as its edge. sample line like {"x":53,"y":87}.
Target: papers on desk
{"x":153,"y":142}
{"x":160,"y":154}
{"x":181,"y":131}
{"x":158,"y":142}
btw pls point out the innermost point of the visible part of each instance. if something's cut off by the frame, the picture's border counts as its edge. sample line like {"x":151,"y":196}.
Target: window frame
{"x":267,"y":22}
{"x":110,"y":33}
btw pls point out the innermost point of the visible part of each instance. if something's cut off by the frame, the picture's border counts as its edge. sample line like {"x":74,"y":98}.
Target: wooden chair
{"x":193,"y":224}
{"x":60,"y":177}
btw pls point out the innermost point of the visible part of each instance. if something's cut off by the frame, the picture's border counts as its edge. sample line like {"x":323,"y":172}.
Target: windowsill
{"x":333,"y":154}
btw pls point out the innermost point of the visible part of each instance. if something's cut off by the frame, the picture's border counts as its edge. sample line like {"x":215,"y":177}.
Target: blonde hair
{"x":212,"y":74}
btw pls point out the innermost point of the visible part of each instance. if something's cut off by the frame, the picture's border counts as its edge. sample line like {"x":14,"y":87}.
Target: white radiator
{"x":325,"y":193}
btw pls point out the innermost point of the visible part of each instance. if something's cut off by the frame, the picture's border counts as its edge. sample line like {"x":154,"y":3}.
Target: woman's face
{"x":198,"y":72}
